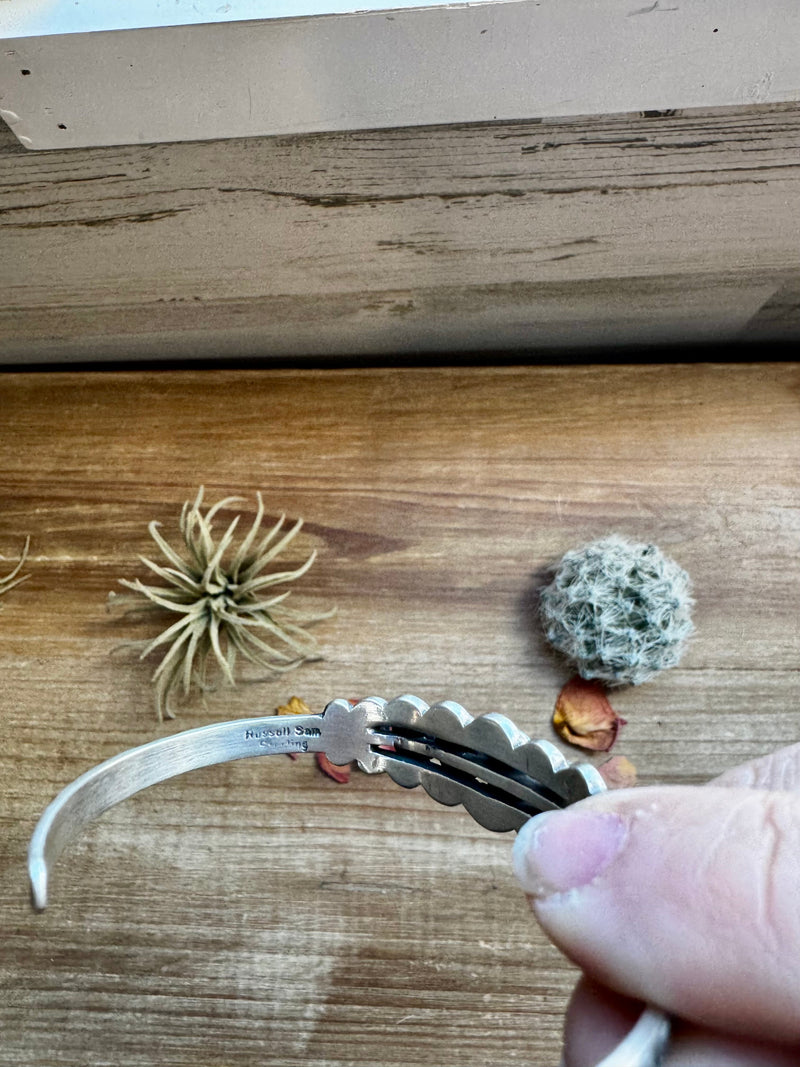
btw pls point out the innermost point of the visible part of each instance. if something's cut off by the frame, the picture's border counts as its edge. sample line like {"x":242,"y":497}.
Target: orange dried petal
{"x":295,"y":706}
{"x":584,"y":717}
{"x":618,"y":773}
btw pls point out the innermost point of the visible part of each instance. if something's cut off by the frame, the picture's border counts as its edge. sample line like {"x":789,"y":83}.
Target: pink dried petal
{"x":339,"y":773}
{"x":618,"y":773}
{"x":584,"y":717}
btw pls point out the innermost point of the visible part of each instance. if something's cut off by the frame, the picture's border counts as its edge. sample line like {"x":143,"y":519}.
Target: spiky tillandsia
{"x":219,"y":593}
{"x":13,"y":578}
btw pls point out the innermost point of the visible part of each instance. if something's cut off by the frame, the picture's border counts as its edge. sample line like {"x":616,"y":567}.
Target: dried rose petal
{"x":333,"y":770}
{"x":584,"y":717}
{"x":618,"y":772}
{"x":295,"y":706}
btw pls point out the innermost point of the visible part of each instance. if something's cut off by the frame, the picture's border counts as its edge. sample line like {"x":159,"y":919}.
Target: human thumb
{"x":686,"y":897}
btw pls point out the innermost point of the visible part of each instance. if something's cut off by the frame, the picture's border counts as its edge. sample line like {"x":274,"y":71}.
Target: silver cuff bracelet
{"x":486,"y":764}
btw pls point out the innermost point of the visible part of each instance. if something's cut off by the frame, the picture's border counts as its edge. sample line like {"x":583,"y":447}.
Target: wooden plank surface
{"x":258,"y":913}
{"x":654,"y":227}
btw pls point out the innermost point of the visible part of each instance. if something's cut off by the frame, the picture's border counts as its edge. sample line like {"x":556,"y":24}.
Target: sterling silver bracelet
{"x":486,"y":764}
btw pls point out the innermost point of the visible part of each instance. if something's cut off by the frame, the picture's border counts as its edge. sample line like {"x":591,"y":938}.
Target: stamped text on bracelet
{"x":295,"y":737}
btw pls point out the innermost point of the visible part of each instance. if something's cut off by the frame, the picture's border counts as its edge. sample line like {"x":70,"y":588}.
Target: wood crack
{"x":109,"y":220}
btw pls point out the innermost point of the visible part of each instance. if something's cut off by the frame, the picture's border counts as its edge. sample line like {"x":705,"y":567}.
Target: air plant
{"x":13,"y":578}
{"x":221,"y":594}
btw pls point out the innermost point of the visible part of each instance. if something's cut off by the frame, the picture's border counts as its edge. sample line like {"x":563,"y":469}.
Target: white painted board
{"x":314,"y":65}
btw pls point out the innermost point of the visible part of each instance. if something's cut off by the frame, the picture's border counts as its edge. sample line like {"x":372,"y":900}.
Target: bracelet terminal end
{"x":37,"y":873}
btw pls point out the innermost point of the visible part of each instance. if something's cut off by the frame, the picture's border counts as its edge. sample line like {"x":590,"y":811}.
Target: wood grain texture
{"x":258,"y":913}
{"x":623,"y":229}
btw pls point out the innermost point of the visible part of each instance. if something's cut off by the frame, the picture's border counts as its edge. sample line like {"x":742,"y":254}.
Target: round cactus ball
{"x":620,"y":611}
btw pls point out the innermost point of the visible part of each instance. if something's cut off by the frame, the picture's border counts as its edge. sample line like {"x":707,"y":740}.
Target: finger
{"x":778,"y":770}
{"x":684,"y":897}
{"x":597,"y":1020}
{"x":694,"y":1048}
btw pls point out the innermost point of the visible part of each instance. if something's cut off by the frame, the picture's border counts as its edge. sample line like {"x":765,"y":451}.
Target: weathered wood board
{"x":540,"y":235}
